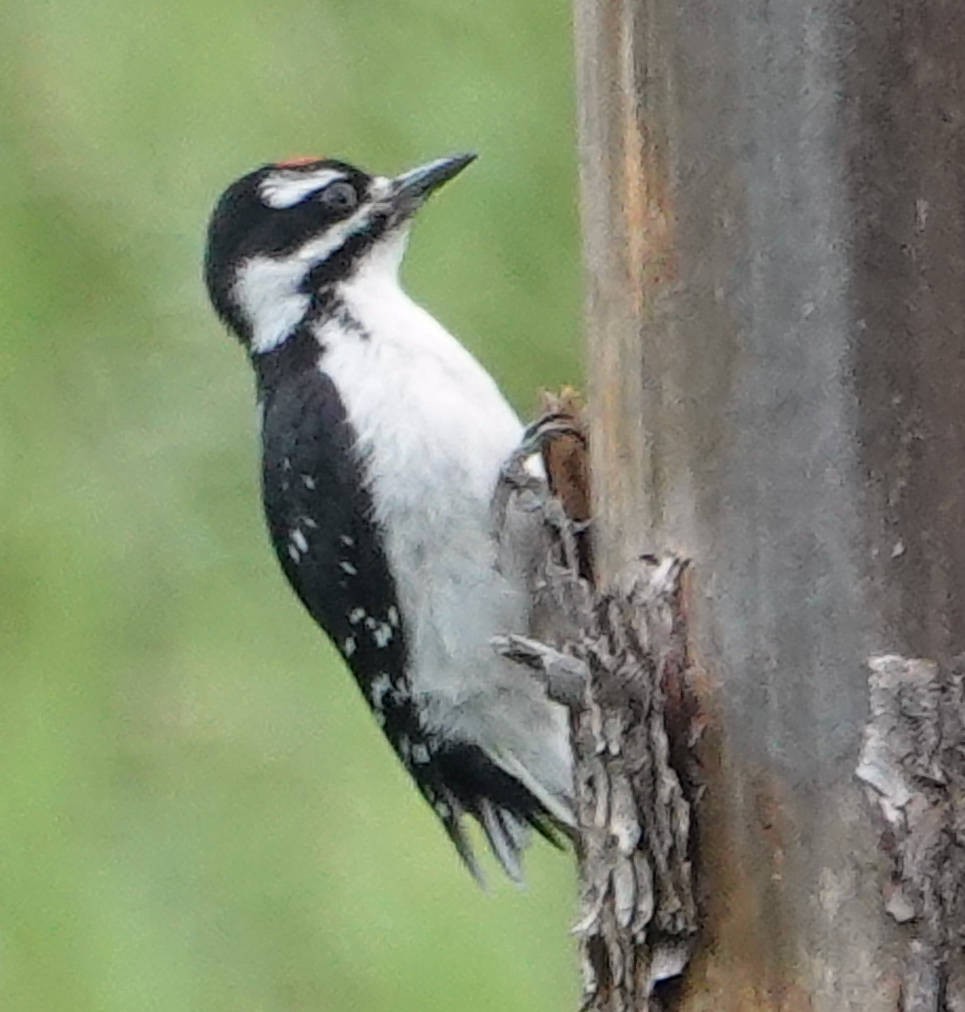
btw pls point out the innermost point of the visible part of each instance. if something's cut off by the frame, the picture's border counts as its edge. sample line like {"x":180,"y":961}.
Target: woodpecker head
{"x":285,"y":232}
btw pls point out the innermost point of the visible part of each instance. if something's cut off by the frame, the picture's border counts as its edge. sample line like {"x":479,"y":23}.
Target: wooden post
{"x":774,"y":216}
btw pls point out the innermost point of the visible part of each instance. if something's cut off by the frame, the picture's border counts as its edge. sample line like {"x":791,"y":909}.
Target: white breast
{"x":434,"y":430}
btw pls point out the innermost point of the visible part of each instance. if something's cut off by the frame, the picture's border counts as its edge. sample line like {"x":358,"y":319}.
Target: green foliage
{"x":196,"y":811}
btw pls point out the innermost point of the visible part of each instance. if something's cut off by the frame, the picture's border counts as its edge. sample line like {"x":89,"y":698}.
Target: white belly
{"x":434,"y":431}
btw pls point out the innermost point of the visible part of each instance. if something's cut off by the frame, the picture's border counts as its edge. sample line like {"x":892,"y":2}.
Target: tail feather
{"x":496,"y":793}
{"x":506,"y":836}
{"x":451,"y":816}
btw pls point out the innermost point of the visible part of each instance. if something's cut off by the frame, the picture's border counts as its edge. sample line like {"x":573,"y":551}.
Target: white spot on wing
{"x":299,"y":540}
{"x":308,"y":481}
{"x":347,"y":567}
{"x":356,"y":615}
{"x":400,"y":693}
{"x":382,"y":635}
{"x":380,"y":688}
{"x":346,"y":540}
{"x":420,"y":754}
{"x":348,"y":646}
{"x":393,"y":615}
{"x":293,"y":554}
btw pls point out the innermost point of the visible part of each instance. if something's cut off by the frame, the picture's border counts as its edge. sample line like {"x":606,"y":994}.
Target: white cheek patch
{"x":268,"y":290}
{"x":286,"y":189}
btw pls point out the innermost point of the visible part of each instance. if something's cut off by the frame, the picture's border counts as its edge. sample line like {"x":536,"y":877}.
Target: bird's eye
{"x":340,"y":196}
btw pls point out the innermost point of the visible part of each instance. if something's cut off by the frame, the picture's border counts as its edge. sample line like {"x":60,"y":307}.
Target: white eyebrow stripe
{"x":286,"y":189}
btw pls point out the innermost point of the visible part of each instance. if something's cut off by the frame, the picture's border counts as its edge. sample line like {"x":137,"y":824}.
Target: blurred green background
{"x":196,"y":810}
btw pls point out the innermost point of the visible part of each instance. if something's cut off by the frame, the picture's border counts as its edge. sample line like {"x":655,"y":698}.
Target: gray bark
{"x":773,"y":200}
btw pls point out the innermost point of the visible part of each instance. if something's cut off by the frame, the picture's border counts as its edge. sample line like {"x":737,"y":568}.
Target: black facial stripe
{"x":338,"y":264}
{"x":280,"y":232}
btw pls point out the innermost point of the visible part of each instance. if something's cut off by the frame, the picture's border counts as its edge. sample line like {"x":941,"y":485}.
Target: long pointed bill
{"x":412,"y":188}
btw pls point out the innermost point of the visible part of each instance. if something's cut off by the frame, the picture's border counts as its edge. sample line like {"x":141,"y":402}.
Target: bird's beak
{"x":411,"y":189}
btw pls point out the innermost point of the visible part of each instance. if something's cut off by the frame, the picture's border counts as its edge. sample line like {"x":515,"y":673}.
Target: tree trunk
{"x":774,"y":217}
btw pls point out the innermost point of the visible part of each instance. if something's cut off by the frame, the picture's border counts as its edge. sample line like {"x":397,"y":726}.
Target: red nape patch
{"x":298,"y":161}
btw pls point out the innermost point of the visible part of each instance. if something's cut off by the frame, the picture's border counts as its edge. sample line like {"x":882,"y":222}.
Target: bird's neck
{"x":279,"y":296}
{"x":368,"y":307}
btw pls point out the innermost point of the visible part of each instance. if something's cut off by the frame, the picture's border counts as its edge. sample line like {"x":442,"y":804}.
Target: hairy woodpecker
{"x":382,"y":442}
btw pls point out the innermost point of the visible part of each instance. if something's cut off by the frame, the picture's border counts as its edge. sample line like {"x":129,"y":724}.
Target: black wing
{"x":321,"y":524}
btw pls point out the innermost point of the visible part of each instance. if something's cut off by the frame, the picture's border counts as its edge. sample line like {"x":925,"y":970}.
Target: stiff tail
{"x":503,"y":797}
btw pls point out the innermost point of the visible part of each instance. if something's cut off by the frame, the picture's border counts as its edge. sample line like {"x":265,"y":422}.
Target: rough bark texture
{"x":618,"y":661}
{"x":636,"y":892}
{"x":774,"y":220}
{"x":913,"y":762}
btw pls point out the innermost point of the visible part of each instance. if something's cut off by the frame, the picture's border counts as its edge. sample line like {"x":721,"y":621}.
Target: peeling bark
{"x":636,"y":890}
{"x":913,"y":761}
{"x":611,"y":657}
